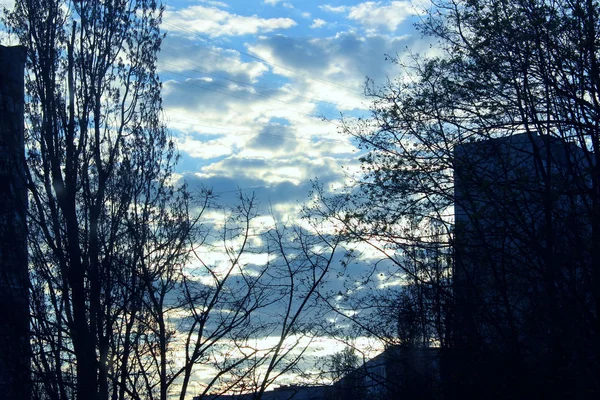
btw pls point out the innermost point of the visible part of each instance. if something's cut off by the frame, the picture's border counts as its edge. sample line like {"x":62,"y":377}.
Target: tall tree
{"x":99,"y":163}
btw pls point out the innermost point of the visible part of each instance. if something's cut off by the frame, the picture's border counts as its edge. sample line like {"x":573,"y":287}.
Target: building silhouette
{"x":14,"y":306}
{"x":522,"y":322}
{"x":396,"y":373}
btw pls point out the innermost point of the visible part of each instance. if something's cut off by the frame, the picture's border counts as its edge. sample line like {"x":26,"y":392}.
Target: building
{"x":522,"y":267}
{"x":398,"y":372}
{"x":14,"y":283}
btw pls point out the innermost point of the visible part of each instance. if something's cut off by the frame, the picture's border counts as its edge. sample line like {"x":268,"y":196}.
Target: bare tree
{"x":252,"y":323}
{"x":344,"y":362}
{"x":104,"y":216}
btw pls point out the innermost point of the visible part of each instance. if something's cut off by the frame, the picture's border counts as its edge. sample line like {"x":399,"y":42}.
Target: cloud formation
{"x":333,"y":9}
{"x":375,"y":16}
{"x":215,"y":22}
{"x":247,"y":111}
{"x":317,"y":23}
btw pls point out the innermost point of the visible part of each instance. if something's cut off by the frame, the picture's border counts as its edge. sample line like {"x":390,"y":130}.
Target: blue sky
{"x":254,"y":89}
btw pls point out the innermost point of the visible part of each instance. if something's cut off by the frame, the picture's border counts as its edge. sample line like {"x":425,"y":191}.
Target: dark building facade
{"x":397,"y":373}
{"x":14,"y":306}
{"x":522,"y":316}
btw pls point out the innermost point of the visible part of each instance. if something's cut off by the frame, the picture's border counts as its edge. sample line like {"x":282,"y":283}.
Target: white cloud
{"x":331,"y":69}
{"x":191,"y":58}
{"x":268,"y":138}
{"x":374,"y":15}
{"x":9,"y":4}
{"x":215,"y":3}
{"x":205,"y":149}
{"x":317,"y":23}
{"x":271,"y":140}
{"x":216,"y":22}
{"x":333,"y":9}
{"x":271,"y":2}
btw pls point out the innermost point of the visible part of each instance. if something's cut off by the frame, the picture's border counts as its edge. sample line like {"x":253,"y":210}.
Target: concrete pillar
{"x":15,"y":353}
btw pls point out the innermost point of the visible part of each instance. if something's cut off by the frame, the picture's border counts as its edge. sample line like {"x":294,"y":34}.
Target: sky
{"x":253,"y":90}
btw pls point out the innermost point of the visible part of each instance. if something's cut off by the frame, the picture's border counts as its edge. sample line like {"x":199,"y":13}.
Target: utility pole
{"x":15,"y":350}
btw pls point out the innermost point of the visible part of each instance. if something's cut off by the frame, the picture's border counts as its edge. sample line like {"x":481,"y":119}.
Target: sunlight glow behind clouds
{"x":205,"y":149}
